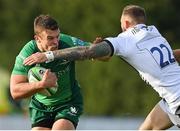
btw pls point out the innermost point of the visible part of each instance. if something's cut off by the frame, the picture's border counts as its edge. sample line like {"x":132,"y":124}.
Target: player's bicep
{"x":16,"y":79}
{"x":103,"y":49}
{"x":118,"y":44}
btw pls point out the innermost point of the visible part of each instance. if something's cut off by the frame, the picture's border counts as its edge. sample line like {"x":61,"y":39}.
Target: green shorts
{"x":45,"y":116}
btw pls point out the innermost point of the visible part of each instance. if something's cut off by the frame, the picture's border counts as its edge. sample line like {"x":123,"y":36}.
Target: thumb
{"x":46,"y":72}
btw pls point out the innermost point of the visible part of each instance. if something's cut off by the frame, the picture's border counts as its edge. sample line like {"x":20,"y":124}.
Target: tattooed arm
{"x":103,"y":49}
{"x":84,"y":52}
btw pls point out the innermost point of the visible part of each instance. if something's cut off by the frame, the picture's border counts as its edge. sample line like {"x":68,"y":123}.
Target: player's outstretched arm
{"x":102,"y":49}
{"x":84,"y":52}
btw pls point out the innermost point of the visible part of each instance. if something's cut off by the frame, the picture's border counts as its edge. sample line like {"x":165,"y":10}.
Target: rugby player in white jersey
{"x":144,"y":48}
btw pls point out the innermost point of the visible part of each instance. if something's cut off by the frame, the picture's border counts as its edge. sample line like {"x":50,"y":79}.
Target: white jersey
{"x":150,"y":54}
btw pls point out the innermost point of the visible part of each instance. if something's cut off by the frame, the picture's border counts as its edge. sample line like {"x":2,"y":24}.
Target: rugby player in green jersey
{"x":62,"y":110}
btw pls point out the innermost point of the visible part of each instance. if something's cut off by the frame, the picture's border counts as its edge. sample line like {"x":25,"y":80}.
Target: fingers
{"x":35,"y":59}
{"x":50,"y":74}
{"x":46,"y":73}
{"x":30,"y":60}
{"x":97,"y":40}
{"x":50,"y":77}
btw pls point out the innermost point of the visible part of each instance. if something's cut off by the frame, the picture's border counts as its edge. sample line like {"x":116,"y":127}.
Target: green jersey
{"x":68,"y":87}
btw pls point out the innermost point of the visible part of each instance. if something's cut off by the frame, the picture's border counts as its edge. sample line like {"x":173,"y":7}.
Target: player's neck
{"x":40,"y":47}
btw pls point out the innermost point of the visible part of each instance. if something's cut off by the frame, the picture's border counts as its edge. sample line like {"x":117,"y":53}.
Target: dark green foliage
{"x":110,"y":88}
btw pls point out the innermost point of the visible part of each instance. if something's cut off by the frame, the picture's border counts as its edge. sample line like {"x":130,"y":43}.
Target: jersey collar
{"x":139,"y":26}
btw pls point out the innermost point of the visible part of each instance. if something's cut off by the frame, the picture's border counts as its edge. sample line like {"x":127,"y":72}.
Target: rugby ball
{"x":35,"y":74}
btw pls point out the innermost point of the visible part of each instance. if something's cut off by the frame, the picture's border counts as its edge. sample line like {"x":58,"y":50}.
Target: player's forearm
{"x":84,"y":52}
{"x":24,"y":89}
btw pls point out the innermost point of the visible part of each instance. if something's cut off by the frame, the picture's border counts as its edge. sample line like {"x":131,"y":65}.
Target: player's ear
{"x":36,"y":38}
{"x":127,"y":24}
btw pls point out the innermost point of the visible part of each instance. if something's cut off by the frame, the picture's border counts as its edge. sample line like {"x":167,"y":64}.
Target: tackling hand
{"x":35,"y":59}
{"x":97,"y":40}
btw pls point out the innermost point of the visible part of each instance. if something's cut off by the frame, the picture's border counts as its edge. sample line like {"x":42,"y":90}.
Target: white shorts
{"x":175,"y":119}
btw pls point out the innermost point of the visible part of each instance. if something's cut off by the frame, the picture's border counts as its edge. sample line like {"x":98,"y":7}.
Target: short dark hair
{"x":136,"y":12}
{"x":44,"y":22}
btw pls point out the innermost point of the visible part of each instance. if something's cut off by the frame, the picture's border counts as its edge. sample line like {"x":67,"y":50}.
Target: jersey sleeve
{"x":73,"y":41}
{"x":19,"y":68}
{"x":119,"y":45}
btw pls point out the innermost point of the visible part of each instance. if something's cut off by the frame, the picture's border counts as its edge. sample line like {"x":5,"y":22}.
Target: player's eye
{"x":50,"y":38}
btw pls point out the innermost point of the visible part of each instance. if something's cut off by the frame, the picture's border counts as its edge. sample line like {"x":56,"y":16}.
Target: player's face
{"x":48,"y":40}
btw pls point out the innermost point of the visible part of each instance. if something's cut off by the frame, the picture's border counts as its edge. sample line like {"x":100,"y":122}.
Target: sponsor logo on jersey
{"x":73,"y":111}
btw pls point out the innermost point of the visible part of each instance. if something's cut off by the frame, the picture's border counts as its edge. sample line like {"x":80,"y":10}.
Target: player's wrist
{"x":41,"y":85}
{"x":49,"y":56}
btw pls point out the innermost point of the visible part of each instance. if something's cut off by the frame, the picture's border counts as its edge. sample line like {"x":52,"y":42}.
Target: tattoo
{"x":84,"y":52}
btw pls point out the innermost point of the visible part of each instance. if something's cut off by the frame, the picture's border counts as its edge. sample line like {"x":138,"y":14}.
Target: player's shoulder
{"x":65,"y":37}
{"x":62,"y":36}
{"x":72,"y":41}
{"x":29,"y":48}
{"x":65,"y":40}
{"x":30,"y":45}
{"x":124,"y":36}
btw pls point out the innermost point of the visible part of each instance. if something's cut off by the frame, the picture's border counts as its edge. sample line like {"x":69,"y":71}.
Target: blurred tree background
{"x":109,"y":88}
